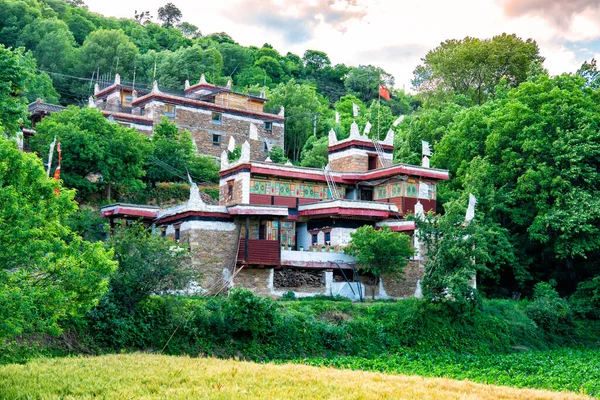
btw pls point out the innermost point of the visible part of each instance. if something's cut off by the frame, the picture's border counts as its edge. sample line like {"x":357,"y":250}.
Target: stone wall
{"x":199,"y":122}
{"x":258,"y":280}
{"x":213,"y":251}
{"x":399,"y":288}
{"x":238,"y":190}
{"x":354,"y":163}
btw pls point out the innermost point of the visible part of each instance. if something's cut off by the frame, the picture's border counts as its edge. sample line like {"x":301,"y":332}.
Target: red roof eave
{"x":354,"y":212}
{"x":204,"y":104}
{"x":132,"y":212}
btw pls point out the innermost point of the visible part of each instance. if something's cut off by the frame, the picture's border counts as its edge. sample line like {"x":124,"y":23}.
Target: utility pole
{"x":315,"y":124}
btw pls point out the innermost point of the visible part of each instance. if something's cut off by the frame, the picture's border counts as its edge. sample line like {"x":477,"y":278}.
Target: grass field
{"x":153,"y":376}
{"x":575,"y":370}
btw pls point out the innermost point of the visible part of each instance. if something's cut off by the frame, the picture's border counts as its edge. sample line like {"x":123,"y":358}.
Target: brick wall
{"x":255,"y":279}
{"x":212,"y":251}
{"x":351,"y":163}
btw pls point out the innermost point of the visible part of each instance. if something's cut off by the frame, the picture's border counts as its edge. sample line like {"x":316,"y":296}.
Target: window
{"x":230,"y":190}
{"x":216,"y":140}
{"x":128,"y":99}
{"x":143,"y":111}
{"x":216,"y":118}
{"x":372,"y":162}
{"x":266,"y":147}
{"x":177,"y":234}
{"x":163,"y":232}
{"x":170,"y":110}
{"x":315,"y":239}
{"x":268,"y":127}
{"x":328,"y":238}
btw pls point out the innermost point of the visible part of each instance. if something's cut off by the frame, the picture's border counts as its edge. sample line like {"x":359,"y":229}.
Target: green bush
{"x":586,"y":299}
{"x":550,"y":312}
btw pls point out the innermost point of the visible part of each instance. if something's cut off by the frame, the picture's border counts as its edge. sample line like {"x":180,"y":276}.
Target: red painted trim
{"x":396,"y":170}
{"x":317,"y":176}
{"x":255,"y":211}
{"x":206,"y":105}
{"x":199,"y":85}
{"x":260,"y":199}
{"x":128,"y":117}
{"x":176,"y":217}
{"x":134,"y":212}
{"x":356,"y":142}
{"x":107,"y":90}
{"x":354,"y":212}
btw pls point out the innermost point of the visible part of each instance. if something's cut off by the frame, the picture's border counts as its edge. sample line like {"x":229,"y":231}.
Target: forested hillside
{"x":524,"y":143}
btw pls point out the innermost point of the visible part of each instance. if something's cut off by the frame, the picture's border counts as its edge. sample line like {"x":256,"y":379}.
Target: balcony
{"x":260,"y":252}
{"x":348,"y":208}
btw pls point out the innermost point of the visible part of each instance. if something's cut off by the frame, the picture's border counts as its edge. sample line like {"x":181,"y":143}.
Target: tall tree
{"x":16,"y":68}
{"x":93,"y":146}
{"x":364,"y":80}
{"x":474,"y":67}
{"x":169,"y":14}
{"x":47,"y":273}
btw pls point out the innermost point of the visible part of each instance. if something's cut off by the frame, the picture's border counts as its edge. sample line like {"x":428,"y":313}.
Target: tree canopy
{"x":47,"y":273}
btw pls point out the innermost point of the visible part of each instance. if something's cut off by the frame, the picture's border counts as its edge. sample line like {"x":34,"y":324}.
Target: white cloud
{"x":392,"y":34}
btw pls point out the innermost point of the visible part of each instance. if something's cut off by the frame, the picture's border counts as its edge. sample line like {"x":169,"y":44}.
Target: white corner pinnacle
{"x":155,"y":87}
{"x":228,"y":86}
{"x":187,"y":84}
{"x":425,"y":162}
{"x":289,"y":163}
{"x":231,"y":144}
{"x":245,"y":157}
{"x":332,"y":137}
{"x":268,"y":159}
{"x":91,"y":103}
{"x":281,"y":111}
{"x":354,"y":132}
{"x":224,"y":159}
{"x":389,"y":138}
{"x":195,"y":201}
{"x":202,"y":79}
{"x":253,"y":132}
{"x":96,"y":89}
{"x":117,"y":79}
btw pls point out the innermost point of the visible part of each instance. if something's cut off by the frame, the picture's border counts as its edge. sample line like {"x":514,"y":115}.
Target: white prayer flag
{"x":419,"y":212}
{"x":50,"y":154}
{"x":423,"y":190}
{"x":471,"y":208}
{"x":231,"y":145}
{"x":368,"y":128}
{"x":337,"y":117}
{"x":426,"y":148}
{"x":397,"y":121}
{"x":355,"y":109}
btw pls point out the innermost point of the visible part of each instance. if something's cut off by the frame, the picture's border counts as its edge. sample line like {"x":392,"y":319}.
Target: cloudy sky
{"x":393,"y":34}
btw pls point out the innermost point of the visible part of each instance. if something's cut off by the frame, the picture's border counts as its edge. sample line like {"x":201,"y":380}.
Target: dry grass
{"x":149,"y":376}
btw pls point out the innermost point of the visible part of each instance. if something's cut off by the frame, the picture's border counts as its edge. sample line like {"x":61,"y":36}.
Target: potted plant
{"x":301,"y":248}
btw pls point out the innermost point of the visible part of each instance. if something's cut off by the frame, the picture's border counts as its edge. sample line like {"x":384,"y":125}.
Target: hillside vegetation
{"x":153,"y":376}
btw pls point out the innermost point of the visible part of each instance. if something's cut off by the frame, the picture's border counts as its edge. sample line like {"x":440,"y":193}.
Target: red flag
{"x":383,"y":92}
{"x":57,"y":172}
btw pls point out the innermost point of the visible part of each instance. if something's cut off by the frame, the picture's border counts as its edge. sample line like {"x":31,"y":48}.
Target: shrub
{"x":586,"y":299}
{"x":549,"y":311}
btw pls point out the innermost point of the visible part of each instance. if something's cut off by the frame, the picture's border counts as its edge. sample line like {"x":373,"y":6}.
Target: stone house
{"x":280,"y":228}
{"x":215,"y":115}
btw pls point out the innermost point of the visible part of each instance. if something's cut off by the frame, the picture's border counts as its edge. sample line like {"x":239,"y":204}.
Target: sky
{"x":392,"y":34}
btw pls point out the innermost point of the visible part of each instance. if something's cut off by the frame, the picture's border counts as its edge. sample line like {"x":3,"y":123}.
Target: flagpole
{"x":378,"y":110}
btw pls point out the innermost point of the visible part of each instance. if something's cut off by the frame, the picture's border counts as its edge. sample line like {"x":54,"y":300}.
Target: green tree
{"x":188,"y":30}
{"x":315,"y":60}
{"x":363,"y":81}
{"x":271,"y":66}
{"x":47,"y":273}
{"x":16,"y":70}
{"x":16,"y":15}
{"x":51,"y":42}
{"x":175,"y":148}
{"x":101,"y":50}
{"x":169,"y":14}
{"x":474,"y":67}
{"x":314,"y":152}
{"x":277,"y":155}
{"x":302,"y":107}
{"x":380,"y":251}
{"x":93,"y":145}
{"x":148,"y":264}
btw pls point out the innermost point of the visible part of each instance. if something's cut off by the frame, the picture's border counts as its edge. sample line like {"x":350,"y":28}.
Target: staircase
{"x":385,"y":162}
{"x":335,"y":194}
